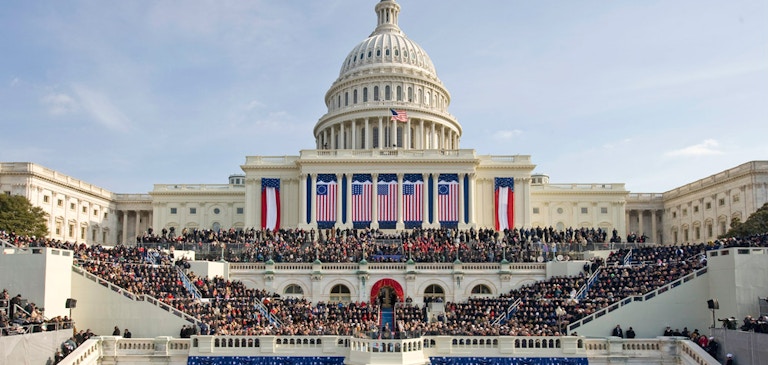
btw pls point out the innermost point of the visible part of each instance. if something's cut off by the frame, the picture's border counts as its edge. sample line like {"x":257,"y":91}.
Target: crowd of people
{"x":19,"y":315}
{"x":543,"y":308}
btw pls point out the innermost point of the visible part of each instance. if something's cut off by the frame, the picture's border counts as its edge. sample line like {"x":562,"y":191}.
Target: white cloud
{"x":101,"y":108}
{"x":59,"y":103}
{"x":705,"y":148}
{"x":507,"y":135}
{"x":15,"y":81}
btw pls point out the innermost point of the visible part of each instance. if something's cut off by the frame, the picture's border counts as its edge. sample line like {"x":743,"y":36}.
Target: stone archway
{"x":390,"y":289}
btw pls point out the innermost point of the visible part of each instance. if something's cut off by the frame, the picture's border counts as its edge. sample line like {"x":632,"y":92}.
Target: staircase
{"x":388,"y":316}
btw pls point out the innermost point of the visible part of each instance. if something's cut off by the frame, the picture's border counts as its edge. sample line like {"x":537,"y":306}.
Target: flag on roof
{"x":399,"y":115}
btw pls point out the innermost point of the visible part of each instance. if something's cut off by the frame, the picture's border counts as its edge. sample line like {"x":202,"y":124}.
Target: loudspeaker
{"x":71,"y":303}
{"x":713,"y":304}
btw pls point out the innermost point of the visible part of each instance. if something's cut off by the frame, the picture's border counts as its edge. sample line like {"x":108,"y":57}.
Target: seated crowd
{"x":20,"y":316}
{"x":232,"y":308}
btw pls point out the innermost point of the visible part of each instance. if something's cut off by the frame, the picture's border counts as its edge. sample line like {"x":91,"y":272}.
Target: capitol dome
{"x":387,"y":74}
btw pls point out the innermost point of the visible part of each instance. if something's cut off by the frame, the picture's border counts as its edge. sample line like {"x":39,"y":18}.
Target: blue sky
{"x":126,"y":94}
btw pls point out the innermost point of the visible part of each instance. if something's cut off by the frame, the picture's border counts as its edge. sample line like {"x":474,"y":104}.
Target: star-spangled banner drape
{"x":413,"y":197}
{"x":362,"y":188}
{"x":326,"y":191}
{"x":448,"y":198}
{"x":386,"y":195}
{"x":270,"y":203}
{"x":504,"y":203}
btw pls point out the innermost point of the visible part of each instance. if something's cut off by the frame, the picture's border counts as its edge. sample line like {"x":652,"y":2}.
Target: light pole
{"x":560,"y":312}
{"x":504,"y":253}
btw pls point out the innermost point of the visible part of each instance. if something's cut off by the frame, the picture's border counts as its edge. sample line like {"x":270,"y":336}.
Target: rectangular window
{"x":71,"y":231}
{"x":697,"y":233}
{"x":46,"y":199}
{"x":85,"y":209}
{"x":685,"y":212}
{"x":535,"y":210}
{"x":82,"y":233}
{"x":7,"y":192}
{"x":736,"y":198}
{"x":60,"y":203}
{"x":674,"y":214}
{"x":696,"y":209}
{"x":584,"y":210}
{"x":722,"y":227}
{"x":58,"y":228}
{"x":603,"y":210}
{"x":708,"y":205}
{"x":709,"y":230}
{"x":173,"y":210}
{"x":192,"y":210}
{"x":105,"y":215}
{"x":721,"y":202}
{"x":93,"y":235}
{"x":72,"y":206}
{"x":96,"y":212}
{"x":240,"y":210}
{"x":685,"y":235}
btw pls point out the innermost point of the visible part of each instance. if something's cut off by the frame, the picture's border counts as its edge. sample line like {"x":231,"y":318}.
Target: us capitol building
{"x":387,"y":156}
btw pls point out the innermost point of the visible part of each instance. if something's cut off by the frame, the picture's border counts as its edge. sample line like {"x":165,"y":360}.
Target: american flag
{"x":413,"y":200}
{"x":399,"y":115}
{"x":448,"y":198}
{"x":326,"y":201}
{"x":504,"y":203}
{"x":386,"y":193}
{"x":361,"y":198}
{"x":270,"y":203}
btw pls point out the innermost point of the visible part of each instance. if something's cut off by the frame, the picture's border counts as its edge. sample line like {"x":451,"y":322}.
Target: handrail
{"x":265,"y":312}
{"x":191,"y":288}
{"x":637,"y":298}
{"x":512,"y":309}
{"x":590,"y":281}
{"x":27,"y":328}
{"x":628,"y":257}
{"x":137,"y":297}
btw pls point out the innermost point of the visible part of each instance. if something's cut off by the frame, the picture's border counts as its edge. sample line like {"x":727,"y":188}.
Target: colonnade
{"x":139,"y":226}
{"x":344,"y":216}
{"x":413,"y":134}
{"x":636,"y":223}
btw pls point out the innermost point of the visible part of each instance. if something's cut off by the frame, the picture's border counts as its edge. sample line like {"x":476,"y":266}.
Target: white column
{"x":381,"y":133}
{"x":400,"y":225}
{"x":313,"y":200}
{"x":348,"y":216}
{"x":339,"y":188}
{"x":628,"y":223}
{"x":257,"y":203}
{"x":435,"y":196}
{"x":640,"y":228}
{"x":368,"y":139}
{"x":527,"y":202}
{"x":410,"y":137}
{"x":421,"y":134}
{"x":353,"y":133}
{"x":135,"y":227}
{"x":432,"y":137}
{"x":654,"y":236}
{"x":342,"y":138}
{"x":374,"y":199}
{"x":462,"y":224}
{"x":302,"y":200}
{"x":125,"y":227}
{"x":472,"y":199}
{"x":333,"y":143}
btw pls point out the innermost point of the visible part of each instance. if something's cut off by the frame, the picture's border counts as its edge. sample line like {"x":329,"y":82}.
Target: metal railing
{"x":511,"y":310}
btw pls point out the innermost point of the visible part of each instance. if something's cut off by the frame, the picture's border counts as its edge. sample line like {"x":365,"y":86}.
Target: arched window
{"x":387,"y":93}
{"x":426,"y":99}
{"x":346,"y":99}
{"x":421,"y":96}
{"x":340,"y":293}
{"x":378,"y":53}
{"x":397,"y":52}
{"x":338,"y":102}
{"x":375,"y":93}
{"x":399,"y":93}
{"x":362,"y":138}
{"x":410,"y":94}
{"x":365,"y":95}
{"x":354,"y":96}
{"x":293,"y":290}
{"x":434,"y":291}
{"x":375,"y":136}
{"x":481,"y":289}
{"x":369,"y":54}
{"x":386,"y":52}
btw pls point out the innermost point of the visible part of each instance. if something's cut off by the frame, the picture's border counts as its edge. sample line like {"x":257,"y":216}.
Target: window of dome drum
{"x":216,"y":211}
